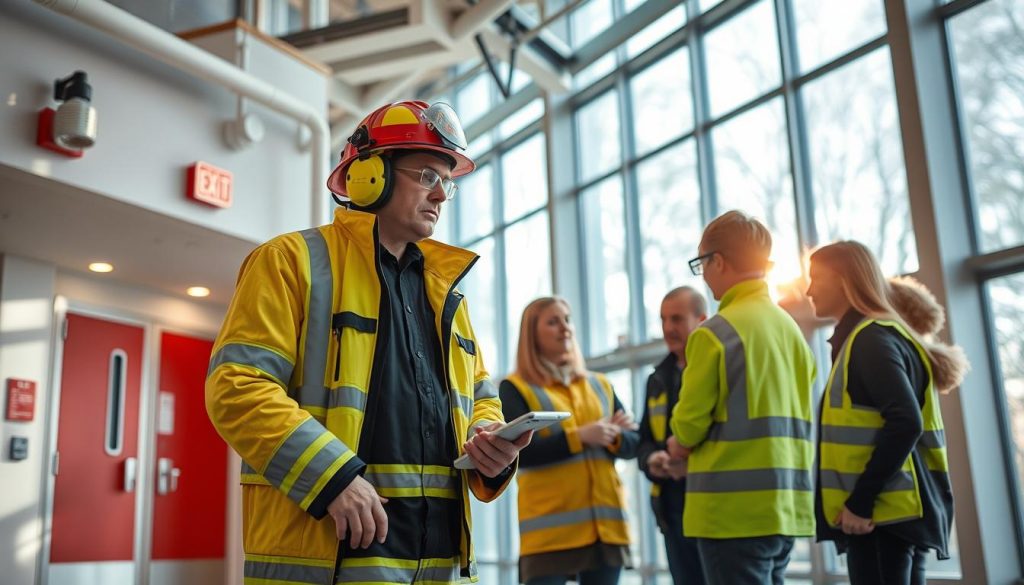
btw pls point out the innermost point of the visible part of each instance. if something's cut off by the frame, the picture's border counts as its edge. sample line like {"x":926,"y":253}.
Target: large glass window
{"x":662,"y":102}
{"x":988,"y":50}
{"x":743,"y":57}
{"x":597,"y":125}
{"x":1006,"y":298}
{"x":753,"y":175}
{"x":858,"y":177}
{"x":826,"y":30}
{"x":605,"y":256}
{"x":671,"y":219}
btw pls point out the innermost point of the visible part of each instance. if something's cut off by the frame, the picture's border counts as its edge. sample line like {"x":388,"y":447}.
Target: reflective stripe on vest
{"x":740,"y":427}
{"x":407,"y":481}
{"x":563,"y":519}
{"x":848,"y":435}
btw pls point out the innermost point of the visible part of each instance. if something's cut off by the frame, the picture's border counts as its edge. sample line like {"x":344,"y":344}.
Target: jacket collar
{"x":745,"y":289}
{"x":442,"y":261}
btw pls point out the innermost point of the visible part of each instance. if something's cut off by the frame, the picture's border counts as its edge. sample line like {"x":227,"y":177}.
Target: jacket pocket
{"x":340,"y":321}
{"x":274,"y":525}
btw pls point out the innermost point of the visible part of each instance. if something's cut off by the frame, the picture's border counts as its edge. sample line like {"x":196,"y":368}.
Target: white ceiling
{"x":68,"y":227}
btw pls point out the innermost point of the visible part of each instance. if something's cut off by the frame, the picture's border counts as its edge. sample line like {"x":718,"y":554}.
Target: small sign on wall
{"x":209,"y":184}
{"x":165,"y":415}
{"x":21,"y":399}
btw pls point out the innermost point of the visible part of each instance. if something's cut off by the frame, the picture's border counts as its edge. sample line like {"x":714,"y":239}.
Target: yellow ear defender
{"x":368,"y":182}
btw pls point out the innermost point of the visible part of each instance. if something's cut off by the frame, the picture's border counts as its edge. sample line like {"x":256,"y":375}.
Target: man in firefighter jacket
{"x":348,"y":378}
{"x":744,"y":415}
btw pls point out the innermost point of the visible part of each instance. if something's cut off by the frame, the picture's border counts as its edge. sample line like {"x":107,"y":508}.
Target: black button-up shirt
{"x":408,"y":417}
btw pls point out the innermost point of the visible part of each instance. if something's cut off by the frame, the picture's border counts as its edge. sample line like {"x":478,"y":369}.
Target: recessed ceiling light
{"x":101,"y":267}
{"x":198,"y":291}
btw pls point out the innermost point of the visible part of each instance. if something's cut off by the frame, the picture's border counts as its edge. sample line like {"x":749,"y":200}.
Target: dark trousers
{"x":745,"y":561}
{"x":683,"y":557}
{"x":881,"y":558}
{"x":599,"y":576}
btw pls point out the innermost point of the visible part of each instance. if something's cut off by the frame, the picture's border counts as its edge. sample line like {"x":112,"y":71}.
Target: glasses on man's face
{"x":697,"y":264}
{"x":429,"y":180}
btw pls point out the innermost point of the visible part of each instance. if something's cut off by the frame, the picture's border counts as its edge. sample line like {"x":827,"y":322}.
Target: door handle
{"x":167,"y":476}
{"x":131,"y":474}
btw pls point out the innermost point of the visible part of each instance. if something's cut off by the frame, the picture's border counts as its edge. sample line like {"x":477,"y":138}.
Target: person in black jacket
{"x":894,"y":369}
{"x":682,"y":310}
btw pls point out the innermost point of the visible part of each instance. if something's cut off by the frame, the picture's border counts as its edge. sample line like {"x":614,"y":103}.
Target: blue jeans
{"x":683,"y":556}
{"x":745,"y":561}
{"x":598,"y":576}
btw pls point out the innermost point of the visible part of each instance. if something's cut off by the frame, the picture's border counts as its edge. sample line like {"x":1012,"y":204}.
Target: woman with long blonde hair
{"x":883,"y":491}
{"x":572,"y":521}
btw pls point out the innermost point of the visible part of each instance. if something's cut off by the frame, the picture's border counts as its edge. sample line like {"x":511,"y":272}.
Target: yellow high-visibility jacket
{"x":848,"y":440}
{"x":579,"y":500}
{"x":745,"y":408}
{"x":288,"y":384}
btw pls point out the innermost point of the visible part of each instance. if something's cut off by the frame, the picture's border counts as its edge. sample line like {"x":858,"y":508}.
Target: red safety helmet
{"x":406,"y":125}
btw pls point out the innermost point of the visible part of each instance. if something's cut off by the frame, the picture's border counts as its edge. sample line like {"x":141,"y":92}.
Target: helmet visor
{"x":446,"y":123}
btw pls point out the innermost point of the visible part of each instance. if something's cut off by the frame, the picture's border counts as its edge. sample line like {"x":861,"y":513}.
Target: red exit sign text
{"x":210,"y":185}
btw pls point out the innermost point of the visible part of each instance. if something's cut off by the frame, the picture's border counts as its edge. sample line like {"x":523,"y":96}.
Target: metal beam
{"x":529,"y":61}
{"x":477,"y":17}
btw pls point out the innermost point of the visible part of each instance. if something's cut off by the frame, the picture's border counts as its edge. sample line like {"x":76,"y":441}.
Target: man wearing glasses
{"x":743,"y":418}
{"x":348,"y":378}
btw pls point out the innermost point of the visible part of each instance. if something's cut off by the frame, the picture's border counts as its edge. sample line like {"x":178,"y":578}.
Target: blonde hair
{"x":871,"y":294}
{"x":742,"y":240}
{"x":528,"y":364}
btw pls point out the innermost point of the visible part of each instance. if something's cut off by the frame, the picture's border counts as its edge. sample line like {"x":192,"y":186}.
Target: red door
{"x":191,"y":466}
{"x":97,"y":432}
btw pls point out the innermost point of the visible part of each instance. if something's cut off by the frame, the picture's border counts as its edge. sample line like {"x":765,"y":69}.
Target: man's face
{"x":414,"y":210}
{"x":678,"y":321}
{"x":714,"y":268}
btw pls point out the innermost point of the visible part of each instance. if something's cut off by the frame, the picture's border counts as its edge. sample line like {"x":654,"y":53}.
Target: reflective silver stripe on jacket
{"x":287,"y":572}
{"x":382,"y":477}
{"x":318,"y":325}
{"x":382,"y":574}
{"x":832,"y":479}
{"x":307,"y":435}
{"x":269,"y":362}
{"x":484,"y":389}
{"x":572,"y":517}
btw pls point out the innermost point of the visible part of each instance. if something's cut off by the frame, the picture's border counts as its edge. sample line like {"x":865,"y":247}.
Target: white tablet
{"x":512,"y":430}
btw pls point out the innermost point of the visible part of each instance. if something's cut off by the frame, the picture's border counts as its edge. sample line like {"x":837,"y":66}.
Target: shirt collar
{"x":843,"y":330}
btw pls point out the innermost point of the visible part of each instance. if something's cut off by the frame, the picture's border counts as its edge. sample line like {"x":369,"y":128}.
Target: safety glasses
{"x":697,"y":264}
{"x":429,"y":180}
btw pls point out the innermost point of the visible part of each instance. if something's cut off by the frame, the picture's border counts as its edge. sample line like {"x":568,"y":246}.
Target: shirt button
{"x":408,"y":309}
{"x":426,"y":435}
{"x":419,"y":354}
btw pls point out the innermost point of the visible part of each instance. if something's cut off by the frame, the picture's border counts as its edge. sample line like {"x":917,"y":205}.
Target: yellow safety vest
{"x":577,"y":501}
{"x":848,"y":434}
{"x":750,"y":472}
{"x":288,"y":384}
{"x":657,"y":417}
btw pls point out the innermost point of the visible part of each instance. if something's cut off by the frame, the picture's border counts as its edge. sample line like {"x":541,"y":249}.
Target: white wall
{"x":26,"y":315}
{"x":154,"y":122}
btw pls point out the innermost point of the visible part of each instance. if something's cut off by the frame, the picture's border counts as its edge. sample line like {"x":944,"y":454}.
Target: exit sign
{"x":209,"y":184}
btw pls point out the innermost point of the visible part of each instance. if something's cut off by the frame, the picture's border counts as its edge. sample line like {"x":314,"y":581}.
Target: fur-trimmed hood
{"x":917,"y":307}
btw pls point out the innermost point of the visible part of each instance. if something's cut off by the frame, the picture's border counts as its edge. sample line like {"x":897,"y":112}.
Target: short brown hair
{"x":742,"y":240}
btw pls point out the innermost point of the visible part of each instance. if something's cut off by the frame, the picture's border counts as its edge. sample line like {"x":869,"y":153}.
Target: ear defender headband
{"x":368,"y":178}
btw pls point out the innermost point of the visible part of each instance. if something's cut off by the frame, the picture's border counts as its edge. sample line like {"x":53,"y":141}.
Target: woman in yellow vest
{"x":883,"y":490}
{"x":572,"y":510}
